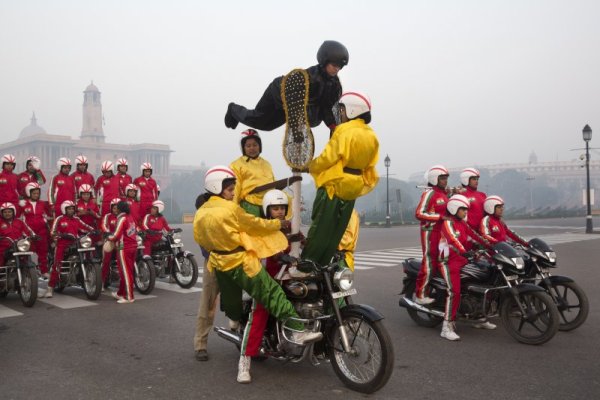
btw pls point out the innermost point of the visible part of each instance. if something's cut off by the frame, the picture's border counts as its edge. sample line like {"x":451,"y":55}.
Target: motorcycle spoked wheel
{"x":572,"y":303}
{"x":146,"y":277}
{"x":92,"y":284}
{"x":421,"y":318}
{"x":189,"y":272}
{"x":28,"y":289}
{"x":540,"y":323}
{"x":369,"y":366}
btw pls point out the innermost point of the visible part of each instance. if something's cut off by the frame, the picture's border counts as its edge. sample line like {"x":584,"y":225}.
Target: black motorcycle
{"x":355,"y":340}
{"x":80,"y":266}
{"x":144,"y":275}
{"x":18,"y":274}
{"x":490,"y":286}
{"x":169,"y":257}
{"x":570,"y":299}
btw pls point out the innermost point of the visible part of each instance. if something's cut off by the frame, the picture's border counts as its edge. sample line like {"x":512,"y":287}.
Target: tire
{"x":572,"y":303}
{"x":28,"y":288}
{"x":371,"y":365}
{"x":146,"y":277}
{"x":92,"y":284}
{"x":421,"y":318}
{"x":538,"y":326}
{"x":189,"y":272}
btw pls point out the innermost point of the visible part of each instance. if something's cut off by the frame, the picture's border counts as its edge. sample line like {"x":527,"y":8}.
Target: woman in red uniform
{"x":125,"y":239}
{"x":35,"y":213}
{"x":148,"y":188}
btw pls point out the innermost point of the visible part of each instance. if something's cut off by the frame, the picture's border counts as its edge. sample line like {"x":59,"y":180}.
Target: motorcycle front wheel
{"x":28,"y":288}
{"x":572,"y":303}
{"x":188,"y":275}
{"x":537,"y":325}
{"x":369,"y":364}
{"x":145,"y":277}
{"x":92,"y":284}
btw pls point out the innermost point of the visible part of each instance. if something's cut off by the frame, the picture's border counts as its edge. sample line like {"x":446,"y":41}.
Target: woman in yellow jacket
{"x":251,"y":171}
{"x":344,"y":171}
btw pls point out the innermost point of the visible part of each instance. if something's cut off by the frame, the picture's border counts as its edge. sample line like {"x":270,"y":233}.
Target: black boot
{"x":230,"y":122}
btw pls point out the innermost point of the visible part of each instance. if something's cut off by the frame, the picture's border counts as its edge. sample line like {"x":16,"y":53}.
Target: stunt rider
{"x":107,"y":226}
{"x":62,"y":187}
{"x":87,"y":209}
{"x":9,"y":182}
{"x":35,"y":213}
{"x":124,"y":178}
{"x":131,"y":192}
{"x":81,"y":176}
{"x":107,"y":187}
{"x":493,"y":228}
{"x":469,"y":179}
{"x":11,"y":227}
{"x":32,"y":173}
{"x":324,"y":91}
{"x":155,"y":221}
{"x":147,"y":187}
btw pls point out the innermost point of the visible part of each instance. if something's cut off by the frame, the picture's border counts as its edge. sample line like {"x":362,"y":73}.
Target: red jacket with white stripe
{"x":14,"y":229}
{"x":69,"y":225}
{"x":109,"y":223}
{"x":495,"y":230}
{"x":35,"y":214}
{"x":61,"y":189}
{"x":476,"y":213}
{"x":148,"y":189}
{"x":81,"y":178}
{"x":125,"y":232}
{"x":155,"y":223}
{"x":457,"y":238}
{"x":432,"y":208}
{"x":8,"y":188}
{"x":25,"y":178}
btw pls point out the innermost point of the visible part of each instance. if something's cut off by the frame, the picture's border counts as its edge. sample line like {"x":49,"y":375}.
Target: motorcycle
{"x":570,"y":299}
{"x":169,"y":257}
{"x":144,"y":276}
{"x":80,"y":266}
{"x":19,"y":274}
{"x":490,"y":286}
{"x":355,"y":340}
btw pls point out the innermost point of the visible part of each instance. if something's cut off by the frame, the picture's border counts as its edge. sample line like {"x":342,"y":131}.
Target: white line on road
{"x":6,"y":312}
{"x":173,"y":287}
{"x":66,"y":302}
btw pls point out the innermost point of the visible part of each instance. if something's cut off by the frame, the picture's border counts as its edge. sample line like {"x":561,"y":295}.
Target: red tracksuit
{"x":454,"y":242}
{"x":124,"y":180}
{"x":35,"y":214}
{"x":64,"y":224}
{"x":126,"y":243}
{"x":494,"y":230}
{"x":91,"y":220}
{"x":108,"y":225}
{"x":24,"y":178}
{"x":135,"y":211}
{"x":81,"y":178}
{"x":9,"y":189}
{"x":155,"y":223}
{"x":476,"y":212}
{"x":14,"y":229}
{"x":61,"y":189}
{"x":148,"y":193}
{"x":430,"y":210}
{"x":107,"y":189}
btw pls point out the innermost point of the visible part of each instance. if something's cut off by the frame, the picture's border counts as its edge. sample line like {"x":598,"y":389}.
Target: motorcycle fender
{"x":560,"y":279}
{"x":527,"y":288}
{"x":362,"y":310}
{"x":147,"y":258}
{"x":187,"y":253}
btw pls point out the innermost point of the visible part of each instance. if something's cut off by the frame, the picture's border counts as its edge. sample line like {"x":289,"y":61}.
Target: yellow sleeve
{"x":252,"y":225}
{"x":328,"y":157}
{"x":237,"y":193}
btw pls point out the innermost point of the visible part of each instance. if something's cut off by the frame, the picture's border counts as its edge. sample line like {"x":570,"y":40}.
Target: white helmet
{"x":131,"y":186}
{"x":490,"y":203}
{"x":35,"y":162}
{"x":160,"y":205}
{"x":9,"y":158}
{"x":457,"y":201}
{"x":81,"y":159}
{"x":63,"y":162}
{"x":65,"y":204}
{"x":213,"y":180}
{"x":30,"y":186}
{"x":145,"y":166}
{"x":467,"y":174}
{"x":274,"y":198}
{"x":7,"y":205}
{"x":85,"y":188}
{"x":107,"y":166}
{"x":433,"y":173}
{"x":114,"y":201}
{"x":355,"y":103}
{"x":122,"y":161}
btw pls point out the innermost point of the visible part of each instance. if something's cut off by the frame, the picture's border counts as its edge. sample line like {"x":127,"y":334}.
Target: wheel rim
{"x":142,"y":278}
{"x":26,"y":287}
{"x":365,"y":361}
{"x":536,"y":321}
{"x":185,"y":276}
{"x":568,"y":303}
{"x":90,"y":278}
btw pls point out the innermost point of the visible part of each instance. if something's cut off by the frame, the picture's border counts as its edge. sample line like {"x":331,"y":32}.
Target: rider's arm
{"x":485,"y":229}
{"x":119,"y":230}
{"x":83,"y":226}
{"x":450,"y":234}
{"x":422,"y":212}
{"x":255,"y":226}
{"x":514,"y":236}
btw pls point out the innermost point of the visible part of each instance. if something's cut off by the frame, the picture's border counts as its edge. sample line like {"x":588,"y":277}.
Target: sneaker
{"x":125,"y":301}
{"x":234,"y":325}
{"x":48,"y":293}
{"x":305,"y":337}
{"x":423,"y":301}
{"x":448,"y":331}
{"x":201,"y":355}
{"x":45,"y":276}
{"x":244,"y":370}
{"x":484,"y":325}
{"x":230,"y":122}
{"x":116,"y":296}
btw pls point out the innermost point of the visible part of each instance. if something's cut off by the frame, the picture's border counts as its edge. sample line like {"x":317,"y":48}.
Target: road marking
{"x":6,"y":312}
{"x":66,"y":302}
{"x":173,"y":287}
{"x":547,"y":227}
{"x":136,"y":295}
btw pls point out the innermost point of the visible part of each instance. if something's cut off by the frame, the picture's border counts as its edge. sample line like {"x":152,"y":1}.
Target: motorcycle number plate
{"x":177,"y":245}
{"x":345,"y":293}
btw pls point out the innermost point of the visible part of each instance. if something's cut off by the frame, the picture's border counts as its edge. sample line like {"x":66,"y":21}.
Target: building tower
{"x":92,"y":115}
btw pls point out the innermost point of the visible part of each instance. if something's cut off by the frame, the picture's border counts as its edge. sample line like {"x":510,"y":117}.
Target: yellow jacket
{"x":353,"y":145}
{"x":251,"y":173}
{"x":223,"y":225}
{"x":350,"y":238}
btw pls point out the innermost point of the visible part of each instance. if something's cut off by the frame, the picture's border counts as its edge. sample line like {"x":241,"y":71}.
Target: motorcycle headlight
{"x":344,"y":279}
{"x":551,"y":256}
{"x":518,"y":261}
{"x":176,"y":238}
{"x":23,"y":245}
{"x":85,"y":242}
{"x":139,"y":240}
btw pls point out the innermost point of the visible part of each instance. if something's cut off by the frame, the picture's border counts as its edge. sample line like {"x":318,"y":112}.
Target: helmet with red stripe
{"x":490,"y":203}
{"x":467,"y":174}
{"x":31,"y":186}
{"x":9,"y":159}
{"x":159,"y":205}
{"x":81,"y":159}
{"x":107,"y":166}
{"x":35,"y":162}
{"x":214,"y":178}
{"x":457,"y":202}
{"x":434,"y":173}
{"x":145,"y":166}
{"x":66,"y":204}
{"x":355,"y":104}
{"x":250,"y":134}
{"x":85,"y":188}
{"x":8,"y":205}
{"x":63,"y":162}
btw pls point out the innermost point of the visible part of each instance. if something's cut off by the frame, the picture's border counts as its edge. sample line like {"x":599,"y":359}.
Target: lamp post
{"x":387,"y":162}
{"x":587,"y":136}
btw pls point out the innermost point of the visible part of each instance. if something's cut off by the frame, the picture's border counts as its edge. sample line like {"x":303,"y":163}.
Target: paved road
{"x":70,"y":347}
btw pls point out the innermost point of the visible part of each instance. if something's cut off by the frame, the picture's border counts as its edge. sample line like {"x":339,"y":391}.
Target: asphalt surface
{"x":144,"y":350}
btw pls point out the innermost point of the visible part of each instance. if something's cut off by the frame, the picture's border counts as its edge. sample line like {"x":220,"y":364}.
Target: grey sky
{"x":452,"y":82}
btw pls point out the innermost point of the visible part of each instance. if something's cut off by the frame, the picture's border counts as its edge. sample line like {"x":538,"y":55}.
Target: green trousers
{"x":251,"y":208}
{"x":330,"y":218}
{"x":262,"y":288}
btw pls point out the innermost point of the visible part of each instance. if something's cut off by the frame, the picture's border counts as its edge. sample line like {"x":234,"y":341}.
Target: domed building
{"x":32,"y":129}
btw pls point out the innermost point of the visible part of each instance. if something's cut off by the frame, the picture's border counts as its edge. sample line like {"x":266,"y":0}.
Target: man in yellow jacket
{"x":344,"y":171}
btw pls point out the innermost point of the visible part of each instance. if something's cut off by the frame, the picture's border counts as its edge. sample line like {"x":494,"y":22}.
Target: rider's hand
{"x":469,"y":254}
{"x":286,"y":225}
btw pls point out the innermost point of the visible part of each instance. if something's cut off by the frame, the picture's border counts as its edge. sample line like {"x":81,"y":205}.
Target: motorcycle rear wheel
{"x":368,"y":368}
{"x":189,"y":272}
{"x":92,"y":284}
{"x":421,"y":318}
{"x":28,"y":289}
{"x":572,"y":303}
{"x":146,"y":277}
{"x":538,"y":326}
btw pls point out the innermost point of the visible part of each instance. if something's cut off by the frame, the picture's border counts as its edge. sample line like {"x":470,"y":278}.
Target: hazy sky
{"x":452,"y":82}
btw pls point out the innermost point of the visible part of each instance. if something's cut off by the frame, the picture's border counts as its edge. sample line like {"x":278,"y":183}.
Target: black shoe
{"x":201,"y":355}
{"x":230,"y":122}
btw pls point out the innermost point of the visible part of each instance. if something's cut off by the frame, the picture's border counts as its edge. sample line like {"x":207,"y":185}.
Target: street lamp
{"x":387,"y":163}
{"x":587,"y":136}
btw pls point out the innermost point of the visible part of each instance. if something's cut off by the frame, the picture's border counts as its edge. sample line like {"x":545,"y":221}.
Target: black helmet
{"x":250,"y":134}
{"x":333,"y":52}
{"x":123,"y":207}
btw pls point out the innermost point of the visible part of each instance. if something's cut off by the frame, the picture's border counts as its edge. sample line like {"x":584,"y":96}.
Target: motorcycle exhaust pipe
{"x":228,"y":335}
{"x":407,"y":303}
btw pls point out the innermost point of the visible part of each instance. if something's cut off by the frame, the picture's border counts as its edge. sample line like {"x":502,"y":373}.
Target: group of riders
{"x":112,"y":208}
